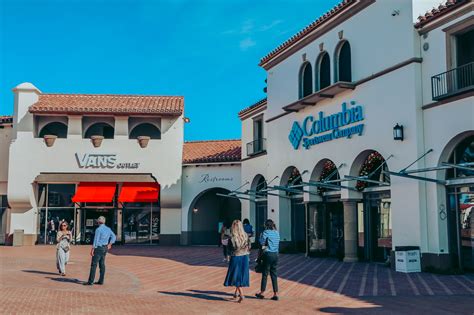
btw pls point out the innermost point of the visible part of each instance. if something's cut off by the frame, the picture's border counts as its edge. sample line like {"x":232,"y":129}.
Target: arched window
{"x":344,"y":66}
{"x":462,"y":154}
{"x":100,"y":129}
{"x":58,"y":129}
{"x":306,"y":80}
{"x":324,"y":71}
{"x":145,"y":129}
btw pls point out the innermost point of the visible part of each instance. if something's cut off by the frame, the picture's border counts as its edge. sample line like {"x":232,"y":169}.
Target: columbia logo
{"x":295,"y":136}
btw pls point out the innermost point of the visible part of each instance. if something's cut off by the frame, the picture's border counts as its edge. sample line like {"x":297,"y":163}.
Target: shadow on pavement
{"x":66,"y":280}
{"x":40,"y":272}
{"x":201,"y":296}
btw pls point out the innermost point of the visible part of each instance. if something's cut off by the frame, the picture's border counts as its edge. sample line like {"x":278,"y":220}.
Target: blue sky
{"x":207,"y":51}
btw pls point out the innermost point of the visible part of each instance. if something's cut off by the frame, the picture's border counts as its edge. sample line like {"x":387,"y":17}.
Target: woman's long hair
{"x":239,"y":236}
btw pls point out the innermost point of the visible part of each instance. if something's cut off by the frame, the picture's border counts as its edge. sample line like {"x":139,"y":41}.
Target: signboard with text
{"x":315,"y":130}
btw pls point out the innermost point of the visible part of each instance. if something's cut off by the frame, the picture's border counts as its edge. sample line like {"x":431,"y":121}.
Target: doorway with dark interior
{"x":208,"y":212}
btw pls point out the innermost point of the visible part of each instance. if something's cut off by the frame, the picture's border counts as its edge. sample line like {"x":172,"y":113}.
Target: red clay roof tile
{"x":211,"y":151}
{"x":441,"y":10}
{"x":108,"y":104}
{"x":308,"y":29}
{"x":246,"y":110}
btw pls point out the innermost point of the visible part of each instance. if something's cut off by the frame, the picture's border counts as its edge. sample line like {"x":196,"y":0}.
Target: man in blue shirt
{"x":103,"y":240}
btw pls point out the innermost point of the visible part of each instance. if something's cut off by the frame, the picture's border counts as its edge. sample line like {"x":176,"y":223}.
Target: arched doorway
{"x":208,"y":211}
{"x":326,"y":216}
{"x":460,"y":195}
{"x":259,"y":207}
{"x":374,"y":215}
{"x":292,"y":211}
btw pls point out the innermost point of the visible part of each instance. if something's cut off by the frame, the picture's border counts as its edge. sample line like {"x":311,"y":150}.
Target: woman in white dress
{"x":63,"y":238}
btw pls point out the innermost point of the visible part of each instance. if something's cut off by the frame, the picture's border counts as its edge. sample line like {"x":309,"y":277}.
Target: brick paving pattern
{"x":188,"y":280}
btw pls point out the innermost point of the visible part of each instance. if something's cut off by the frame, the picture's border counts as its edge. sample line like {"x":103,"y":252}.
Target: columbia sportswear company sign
{"x":316,"y":130}
{"x":109,"y":161}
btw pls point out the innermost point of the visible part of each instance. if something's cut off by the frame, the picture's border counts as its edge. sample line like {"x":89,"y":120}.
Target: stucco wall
{"x":30,"y":156}
{"x":200,"y":178}
{"x":369,"y":33}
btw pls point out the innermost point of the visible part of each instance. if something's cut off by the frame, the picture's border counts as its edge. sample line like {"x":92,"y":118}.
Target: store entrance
{"x":375,"y":234}
{"x":461,"y":223}
{"x":89,"y":223}
{"x":326,"y":229}
{"x":260,"y":218}
{"x":298,"y":225}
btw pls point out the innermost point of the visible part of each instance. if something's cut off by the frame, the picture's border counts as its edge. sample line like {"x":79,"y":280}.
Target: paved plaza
{"x":188,"y":280}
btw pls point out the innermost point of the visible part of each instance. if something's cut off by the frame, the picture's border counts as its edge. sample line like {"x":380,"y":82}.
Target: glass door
{"x":298,"y":234}
{"x":461,"y":221}
{"x":140,"y":223}
{"x":260,"y":218}
{"x":335,"y":229}
{"x":377,"y":231}
{"x":317,"y":222}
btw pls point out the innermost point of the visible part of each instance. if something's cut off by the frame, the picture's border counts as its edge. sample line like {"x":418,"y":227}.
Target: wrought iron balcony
{"x":256,"y":146}
{"x":453,"y":82}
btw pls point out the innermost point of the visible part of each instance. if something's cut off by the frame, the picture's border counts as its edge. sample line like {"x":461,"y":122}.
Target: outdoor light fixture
{"x":195,"y":210}
{"x":186,"y":120}
{"x":398,"y":132}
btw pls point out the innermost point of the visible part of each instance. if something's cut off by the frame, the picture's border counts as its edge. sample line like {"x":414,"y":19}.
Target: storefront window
{"x":56,"y":206}
{"x":141,"y":223}
{"x":60,"y":195}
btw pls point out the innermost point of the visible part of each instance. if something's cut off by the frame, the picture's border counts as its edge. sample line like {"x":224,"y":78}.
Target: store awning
{"x":139,"y":192}
{"x":94,"y":192}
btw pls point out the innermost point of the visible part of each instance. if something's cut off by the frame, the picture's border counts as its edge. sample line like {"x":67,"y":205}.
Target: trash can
{"x":407,"y":259}
{"x":18,"y":237}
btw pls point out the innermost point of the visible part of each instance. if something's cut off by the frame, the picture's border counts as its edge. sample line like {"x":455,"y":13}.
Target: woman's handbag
{"x":64,"y":245}
{"x":225,"y":241}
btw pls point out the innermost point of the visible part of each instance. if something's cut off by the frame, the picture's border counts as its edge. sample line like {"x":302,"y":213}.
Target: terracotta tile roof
{"x":108,"y":104}
{"x":248,"y":109}
{"x":6,"y":119}
{"x":308,"y":29}
{"x":212,"y":151}
{"x":441,"y":10}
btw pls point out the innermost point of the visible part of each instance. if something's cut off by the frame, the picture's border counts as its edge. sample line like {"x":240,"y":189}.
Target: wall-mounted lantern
{"x":398,"y":132}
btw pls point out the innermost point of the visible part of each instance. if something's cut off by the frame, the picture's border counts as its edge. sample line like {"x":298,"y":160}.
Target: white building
{"x":78,"y":156}
{"x":321,"y":155}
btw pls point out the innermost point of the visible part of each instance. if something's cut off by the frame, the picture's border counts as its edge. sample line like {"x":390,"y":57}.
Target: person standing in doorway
{"x":270,"y":241}
{"x":51,"y":231}
{"x":225,"y":238}
{"x":248,"y":228}
{"x":103,"y":240}
{"x":63,"y":238}
{"x":238,"y":271}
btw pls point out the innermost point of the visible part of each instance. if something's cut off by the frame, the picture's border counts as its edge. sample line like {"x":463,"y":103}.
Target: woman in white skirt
{"x":63,"y":238}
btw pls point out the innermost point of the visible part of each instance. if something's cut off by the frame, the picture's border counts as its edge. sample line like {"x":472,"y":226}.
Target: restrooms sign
{"x":316,"y":130}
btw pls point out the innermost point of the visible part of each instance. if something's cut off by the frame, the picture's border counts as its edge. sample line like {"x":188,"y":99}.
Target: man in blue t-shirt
{"x":103,"y":240}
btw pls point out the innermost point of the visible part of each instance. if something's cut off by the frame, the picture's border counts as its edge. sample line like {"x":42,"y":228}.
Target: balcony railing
{"x":452,"y":82}
{"x":256,"y":146}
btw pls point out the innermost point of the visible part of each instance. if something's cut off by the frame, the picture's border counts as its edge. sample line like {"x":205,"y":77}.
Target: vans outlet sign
{"x":102,"y":161}
{"x":316,"y":130}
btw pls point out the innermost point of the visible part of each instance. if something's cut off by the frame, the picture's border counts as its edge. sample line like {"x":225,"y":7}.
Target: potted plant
{"x":49,"y":140}
{"x":143,"y":141}
{"x":97,"y":140}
